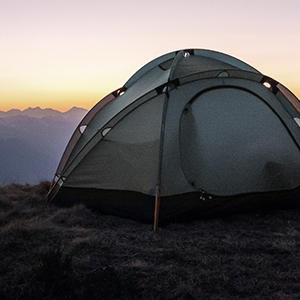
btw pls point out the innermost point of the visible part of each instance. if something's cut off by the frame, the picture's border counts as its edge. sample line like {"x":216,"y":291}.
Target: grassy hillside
{"x":47,"y":252}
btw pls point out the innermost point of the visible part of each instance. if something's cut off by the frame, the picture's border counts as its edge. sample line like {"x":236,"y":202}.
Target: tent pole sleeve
{"x":157,"y":204}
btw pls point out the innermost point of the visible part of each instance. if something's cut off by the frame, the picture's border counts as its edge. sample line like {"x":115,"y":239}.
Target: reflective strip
{"x":61,"y":181}
{"x":297,"y":120}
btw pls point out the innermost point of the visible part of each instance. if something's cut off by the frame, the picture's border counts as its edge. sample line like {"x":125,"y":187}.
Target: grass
{"x":47,"y":252}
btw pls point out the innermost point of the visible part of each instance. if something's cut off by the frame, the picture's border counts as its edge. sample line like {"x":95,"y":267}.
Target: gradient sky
{"x":65,"y":53}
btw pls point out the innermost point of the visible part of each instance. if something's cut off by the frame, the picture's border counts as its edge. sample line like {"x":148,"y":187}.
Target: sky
{"x":64,"y":53}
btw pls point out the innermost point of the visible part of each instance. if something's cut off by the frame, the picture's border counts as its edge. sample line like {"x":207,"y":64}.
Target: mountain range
{"x":32,"y":142}
{"x":38,"y":112}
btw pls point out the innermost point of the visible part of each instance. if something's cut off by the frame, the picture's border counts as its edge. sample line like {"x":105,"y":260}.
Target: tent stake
{"x":156,"y":210}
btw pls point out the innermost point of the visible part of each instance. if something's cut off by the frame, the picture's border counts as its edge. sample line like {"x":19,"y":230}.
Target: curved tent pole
{"x":179,"y":56}
{"x":277,"y":87}
{"x":82,"y":125}
{"x":75,"y":137}
{"x":290,"y":96}
{"x":157,"y":205}
{"x":197,"y":52}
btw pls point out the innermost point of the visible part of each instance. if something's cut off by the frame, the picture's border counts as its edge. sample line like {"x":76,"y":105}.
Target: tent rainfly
{"x":193,"y":133}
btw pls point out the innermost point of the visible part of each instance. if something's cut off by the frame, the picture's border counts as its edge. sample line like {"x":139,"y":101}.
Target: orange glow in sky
{"x":61,"y":54}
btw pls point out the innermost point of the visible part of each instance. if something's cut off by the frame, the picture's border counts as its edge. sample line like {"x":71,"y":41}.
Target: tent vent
{"x":105,"y":131}
{"x":166,"y":65}
{"x":223,"y":74}
{"x":297,"y":120}
{"x":82,"y":128}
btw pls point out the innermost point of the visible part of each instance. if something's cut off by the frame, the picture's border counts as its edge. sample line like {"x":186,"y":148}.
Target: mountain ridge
{"x":38,"y":112}
{"x":32,"y":142}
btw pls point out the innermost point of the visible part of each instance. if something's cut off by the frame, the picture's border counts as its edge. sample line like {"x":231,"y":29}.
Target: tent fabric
{"x":192,"y":133}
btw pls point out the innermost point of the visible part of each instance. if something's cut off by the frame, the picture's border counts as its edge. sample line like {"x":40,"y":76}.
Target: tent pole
{"x":162,"y":134}
{"x":157,"y":204}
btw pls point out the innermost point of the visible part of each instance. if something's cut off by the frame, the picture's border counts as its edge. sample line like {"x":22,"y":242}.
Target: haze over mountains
{"x":32,"y":142}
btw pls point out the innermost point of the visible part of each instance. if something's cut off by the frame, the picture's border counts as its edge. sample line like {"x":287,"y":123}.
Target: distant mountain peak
{"x":75,"y":111}
{"x":32,"y":108}
{"x":39,"y":112}
{"x":12,"y":112}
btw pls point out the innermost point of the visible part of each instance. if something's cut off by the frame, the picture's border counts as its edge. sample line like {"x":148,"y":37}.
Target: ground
{"x":47,"y":252}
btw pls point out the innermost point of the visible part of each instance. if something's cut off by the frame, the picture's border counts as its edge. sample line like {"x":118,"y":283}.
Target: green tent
{"x":193,"y":133}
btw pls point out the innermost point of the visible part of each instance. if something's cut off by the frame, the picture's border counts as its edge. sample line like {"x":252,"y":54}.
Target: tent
{"x":193,"y":133}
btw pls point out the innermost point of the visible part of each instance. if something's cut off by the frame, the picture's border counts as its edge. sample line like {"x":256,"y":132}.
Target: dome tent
{"x":191,"y":134}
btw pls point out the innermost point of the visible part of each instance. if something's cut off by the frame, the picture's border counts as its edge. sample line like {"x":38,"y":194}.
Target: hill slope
{"x":32,"y":143}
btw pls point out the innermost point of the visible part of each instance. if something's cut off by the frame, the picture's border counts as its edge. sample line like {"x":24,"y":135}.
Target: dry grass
{"x":47,"y":252}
